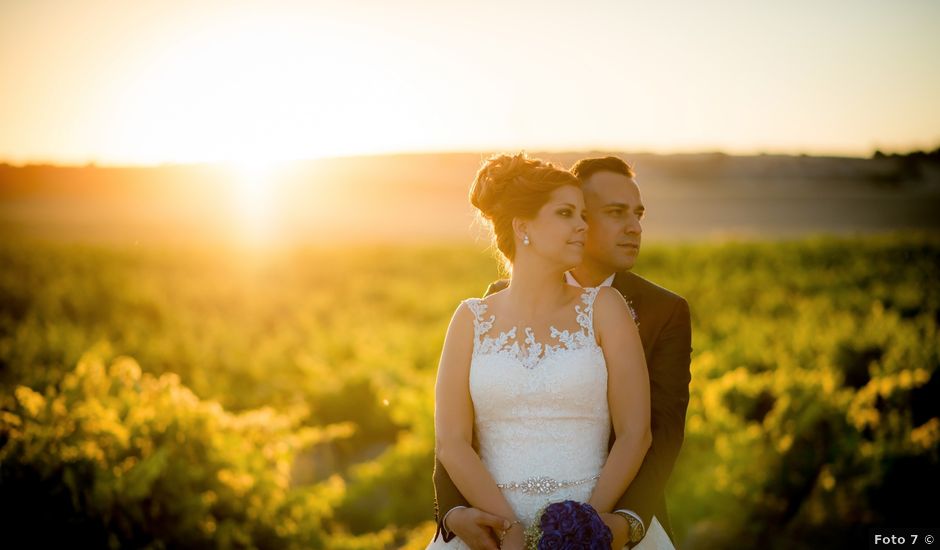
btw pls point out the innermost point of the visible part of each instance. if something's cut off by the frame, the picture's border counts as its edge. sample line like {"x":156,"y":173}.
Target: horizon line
{"x":561,"y":150}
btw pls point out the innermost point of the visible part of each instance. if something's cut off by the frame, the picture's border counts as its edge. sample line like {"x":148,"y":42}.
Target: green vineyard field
{"x":201,"y":398}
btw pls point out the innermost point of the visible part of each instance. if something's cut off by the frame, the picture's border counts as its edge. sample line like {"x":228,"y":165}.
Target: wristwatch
{"x":636,"y":526}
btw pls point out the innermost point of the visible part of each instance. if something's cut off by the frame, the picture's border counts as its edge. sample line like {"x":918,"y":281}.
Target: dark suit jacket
{"x":666,"y":331}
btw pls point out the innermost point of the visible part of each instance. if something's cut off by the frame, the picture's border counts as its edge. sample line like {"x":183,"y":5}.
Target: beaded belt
{"x":543,"y":485}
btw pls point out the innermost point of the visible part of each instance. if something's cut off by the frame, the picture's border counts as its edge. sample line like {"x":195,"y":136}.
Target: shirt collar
{"x":569,"y":278}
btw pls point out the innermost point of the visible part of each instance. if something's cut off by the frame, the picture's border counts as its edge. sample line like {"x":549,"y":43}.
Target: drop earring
{"x":525,"y":239}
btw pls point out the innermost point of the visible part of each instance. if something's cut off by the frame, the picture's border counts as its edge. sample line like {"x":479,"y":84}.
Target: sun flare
{"x":255,"y":208}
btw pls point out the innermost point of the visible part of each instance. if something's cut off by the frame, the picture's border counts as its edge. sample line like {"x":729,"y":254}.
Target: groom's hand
{"x":620,"y":529}
{"x":476,"y":528}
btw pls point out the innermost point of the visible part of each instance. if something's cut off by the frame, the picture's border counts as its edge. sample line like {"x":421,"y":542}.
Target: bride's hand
{"x":513,"y":538}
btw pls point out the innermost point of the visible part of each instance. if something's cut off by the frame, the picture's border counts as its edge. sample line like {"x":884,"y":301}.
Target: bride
{"x":533,"y":378}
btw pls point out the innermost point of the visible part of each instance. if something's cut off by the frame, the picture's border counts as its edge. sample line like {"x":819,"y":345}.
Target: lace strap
{"x":480,"y":325}
{"x":586,"y":313}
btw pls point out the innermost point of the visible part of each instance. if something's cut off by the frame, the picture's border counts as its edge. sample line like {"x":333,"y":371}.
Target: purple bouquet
{"x":568,"y":525}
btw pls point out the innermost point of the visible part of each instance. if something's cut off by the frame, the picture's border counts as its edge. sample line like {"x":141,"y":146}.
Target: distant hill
{"x":423,"y":197}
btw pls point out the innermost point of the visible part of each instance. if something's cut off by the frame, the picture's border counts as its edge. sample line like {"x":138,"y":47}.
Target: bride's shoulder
{"x":488,"y":302}
{"x":609,"y":294}
{"x":610,"y":306}
{"x":463,"y":319}
{"x":470,"y":308}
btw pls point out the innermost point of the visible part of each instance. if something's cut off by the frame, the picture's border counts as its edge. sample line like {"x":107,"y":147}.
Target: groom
{"x":614,"y":210}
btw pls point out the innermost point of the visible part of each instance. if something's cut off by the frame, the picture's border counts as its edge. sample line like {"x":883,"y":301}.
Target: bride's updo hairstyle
{"x":516,"y":186}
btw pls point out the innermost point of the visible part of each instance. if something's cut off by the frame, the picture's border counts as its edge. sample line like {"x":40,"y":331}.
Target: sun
{"x":255,"y":210}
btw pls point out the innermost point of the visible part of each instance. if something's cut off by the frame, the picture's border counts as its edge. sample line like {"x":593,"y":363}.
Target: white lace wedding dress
{"x":541,"y":419}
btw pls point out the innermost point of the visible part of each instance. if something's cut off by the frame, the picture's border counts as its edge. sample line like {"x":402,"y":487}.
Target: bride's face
{"x":558,"y":231}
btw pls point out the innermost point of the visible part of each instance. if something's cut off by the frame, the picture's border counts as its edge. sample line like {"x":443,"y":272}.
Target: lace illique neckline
{"x":535,"y":352}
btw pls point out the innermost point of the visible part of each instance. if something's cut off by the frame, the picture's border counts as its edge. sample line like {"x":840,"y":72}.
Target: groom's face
{"x":614,"y":210}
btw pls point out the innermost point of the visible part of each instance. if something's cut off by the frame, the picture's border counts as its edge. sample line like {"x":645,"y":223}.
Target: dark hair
{"x":516,"y":186}
{"x":586,"y":168}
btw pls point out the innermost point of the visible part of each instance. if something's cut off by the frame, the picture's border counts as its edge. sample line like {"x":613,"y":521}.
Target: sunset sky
{"x":182,"y":81}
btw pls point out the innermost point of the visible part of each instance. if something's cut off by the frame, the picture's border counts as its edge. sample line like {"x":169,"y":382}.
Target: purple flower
{"x":571,"y":525}
{"x":568,"y":523}
{"x":551,"y":541}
